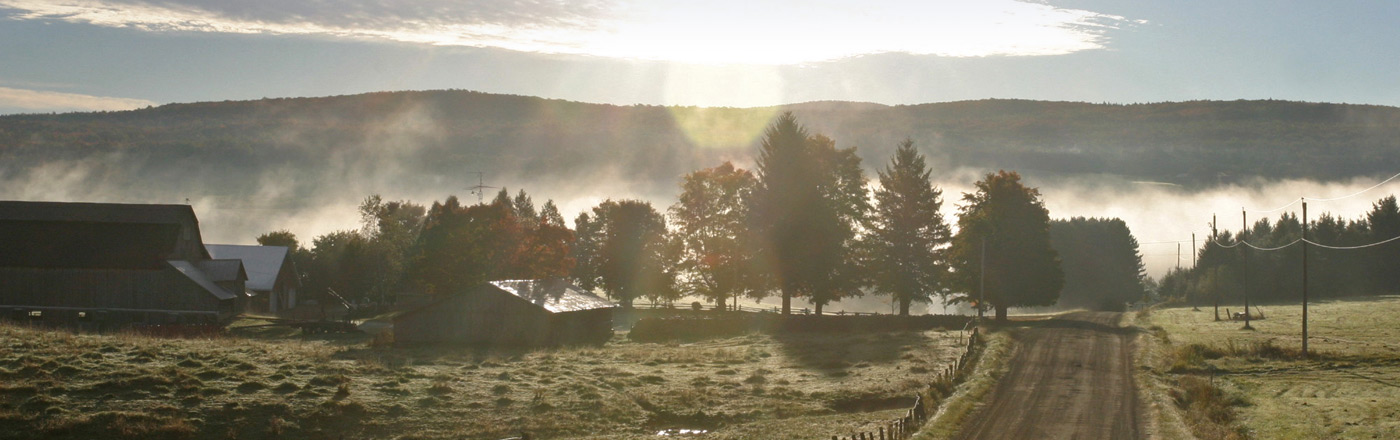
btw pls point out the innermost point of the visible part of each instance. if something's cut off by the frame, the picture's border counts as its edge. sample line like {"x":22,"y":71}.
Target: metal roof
{"x":198,"y":276}
{"x":555,"y":296}
{"x":263,"y":263}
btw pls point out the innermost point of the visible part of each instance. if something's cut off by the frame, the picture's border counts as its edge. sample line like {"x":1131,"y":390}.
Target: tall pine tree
{"x":907,"y":232}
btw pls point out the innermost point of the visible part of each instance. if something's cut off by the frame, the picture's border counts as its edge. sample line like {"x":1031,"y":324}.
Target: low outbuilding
{"x":517,"y":313}
{"x":272,"y":278}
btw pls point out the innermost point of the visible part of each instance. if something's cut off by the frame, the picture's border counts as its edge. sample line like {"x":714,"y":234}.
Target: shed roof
{"x":198,"y":276}
{"x":263,"y":263}
{"x":555,"y":296}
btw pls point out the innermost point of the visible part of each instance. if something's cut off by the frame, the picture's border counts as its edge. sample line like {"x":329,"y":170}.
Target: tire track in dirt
{"x":1070,"y":377}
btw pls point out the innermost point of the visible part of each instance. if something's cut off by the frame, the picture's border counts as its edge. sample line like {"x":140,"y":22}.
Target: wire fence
{"x":924,"y":408}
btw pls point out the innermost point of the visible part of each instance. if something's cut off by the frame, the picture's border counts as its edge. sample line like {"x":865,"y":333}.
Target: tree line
{"x":1227,"y":270}
{"x":804,"y":224}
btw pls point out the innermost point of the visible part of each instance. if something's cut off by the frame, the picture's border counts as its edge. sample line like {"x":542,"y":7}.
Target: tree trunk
{"x":819,"y":309}
{"x":1001,"y":313}
{"x":904,"y":307}
{"x":787,"y":301}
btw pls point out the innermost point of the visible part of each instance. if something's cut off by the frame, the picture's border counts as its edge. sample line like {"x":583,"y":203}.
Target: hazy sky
{"x":117,"y":54}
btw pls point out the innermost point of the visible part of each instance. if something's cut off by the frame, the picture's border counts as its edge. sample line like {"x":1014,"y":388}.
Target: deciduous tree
{"x":1021,"y":267}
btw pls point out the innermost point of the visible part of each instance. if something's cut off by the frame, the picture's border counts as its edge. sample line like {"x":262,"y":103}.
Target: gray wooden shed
{"x":517,"y":313}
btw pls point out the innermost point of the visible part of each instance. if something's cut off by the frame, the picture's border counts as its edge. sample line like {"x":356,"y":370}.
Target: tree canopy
{"x":1103,"y":269}
{"x":1006,"y":223}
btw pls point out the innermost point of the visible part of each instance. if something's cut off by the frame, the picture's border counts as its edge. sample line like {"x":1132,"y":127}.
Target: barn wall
{"x":131,"y":293}
{"x":582,"y":327}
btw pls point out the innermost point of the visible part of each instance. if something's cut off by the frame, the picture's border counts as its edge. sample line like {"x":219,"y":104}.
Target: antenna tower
{"x":480,"y":188}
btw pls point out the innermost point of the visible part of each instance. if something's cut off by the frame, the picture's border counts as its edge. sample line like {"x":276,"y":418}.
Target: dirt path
{"x":1070,"y":378}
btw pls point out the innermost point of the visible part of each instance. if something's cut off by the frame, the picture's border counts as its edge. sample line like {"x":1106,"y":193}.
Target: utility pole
{"x":1193,"y":266}
{"x":1244,"y":262}
{"x":1178,"y":256}
{"x":480,"y":188}
{"x":1214,"y":236}
{"x":982,"y":282}
{"x":1305,"y":278}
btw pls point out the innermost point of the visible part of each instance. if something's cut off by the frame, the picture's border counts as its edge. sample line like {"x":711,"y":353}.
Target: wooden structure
{"x":510,"y":313}
{"x":272,"y":278}
{"x":105,"y":265}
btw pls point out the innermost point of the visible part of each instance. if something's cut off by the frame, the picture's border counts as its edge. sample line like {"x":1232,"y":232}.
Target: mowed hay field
{"x":58,"y":384}
{"x":1349,"y":388}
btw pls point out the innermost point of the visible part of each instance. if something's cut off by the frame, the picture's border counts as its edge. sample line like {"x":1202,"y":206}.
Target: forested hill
{"x":437,"y":137}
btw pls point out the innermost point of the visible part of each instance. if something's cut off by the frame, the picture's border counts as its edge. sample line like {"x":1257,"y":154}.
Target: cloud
{"x":24,"y":100}
{"x":712,"y":32}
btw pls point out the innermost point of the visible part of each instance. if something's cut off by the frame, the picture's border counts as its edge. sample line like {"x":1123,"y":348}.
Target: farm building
{"x":107,"y":265}
{"x":510,"y":313}
{"x":272,"y":278}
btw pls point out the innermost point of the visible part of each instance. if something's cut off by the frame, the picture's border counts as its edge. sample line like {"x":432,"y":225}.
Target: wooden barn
{"x":107,"y":265}
{"x":272,"y":279}
{"x":522,"y":313}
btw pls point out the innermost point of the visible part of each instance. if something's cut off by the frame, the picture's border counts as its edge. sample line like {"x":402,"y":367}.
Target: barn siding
{"x":165,"y":289}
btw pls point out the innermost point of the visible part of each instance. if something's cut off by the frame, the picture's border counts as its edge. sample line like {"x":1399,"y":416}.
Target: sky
{"x":71,"y":55}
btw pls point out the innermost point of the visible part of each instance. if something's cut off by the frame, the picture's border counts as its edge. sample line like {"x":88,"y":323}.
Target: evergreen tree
{"x":1102,"y":266}
{"x":805,"y":211}
{"x":907,"y":232}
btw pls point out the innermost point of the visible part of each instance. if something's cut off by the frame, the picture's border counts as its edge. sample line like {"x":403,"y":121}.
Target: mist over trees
{"x":1228,"y":269}
{"x":301,"y":155}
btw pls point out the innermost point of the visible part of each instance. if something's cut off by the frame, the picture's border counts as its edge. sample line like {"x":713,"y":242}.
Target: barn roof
{"x":223,"y":270}
{"x":555,"y":296}
{"x":198,"y":276}
{"x":95,"y":235}
{"x":263,"y":263}
{"x":96,"y":212}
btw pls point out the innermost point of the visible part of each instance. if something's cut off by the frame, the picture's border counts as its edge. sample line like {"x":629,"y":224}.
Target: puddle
{"x":679,"y":432}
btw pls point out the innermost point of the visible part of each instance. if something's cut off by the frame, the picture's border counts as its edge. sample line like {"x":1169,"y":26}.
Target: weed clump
{"x":1210,"y":411}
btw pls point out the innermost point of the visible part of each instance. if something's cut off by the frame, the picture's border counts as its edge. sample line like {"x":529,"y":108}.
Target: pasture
{"x":58,"y":384}
{"x":1348,"y":388}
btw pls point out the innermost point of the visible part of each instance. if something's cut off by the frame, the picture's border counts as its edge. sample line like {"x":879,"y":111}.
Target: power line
{"x":1330,"y":199}
{"x":1352,"y":247}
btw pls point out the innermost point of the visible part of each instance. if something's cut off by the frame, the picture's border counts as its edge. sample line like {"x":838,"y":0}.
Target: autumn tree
{"x":710,"y":220}
{"x":907,"y":232}
{"x":1006,"y":222}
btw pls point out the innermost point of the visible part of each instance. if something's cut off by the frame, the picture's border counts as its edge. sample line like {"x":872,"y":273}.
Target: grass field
{"x":1349,"y":388}
{"x":57,"y":384}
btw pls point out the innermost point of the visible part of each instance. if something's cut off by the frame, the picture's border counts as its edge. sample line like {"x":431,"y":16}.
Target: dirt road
{"x":1069,"y":378}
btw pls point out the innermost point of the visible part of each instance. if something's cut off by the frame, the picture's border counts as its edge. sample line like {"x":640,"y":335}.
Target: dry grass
{"x":1348,"y":388}
{"x":269,"y":384}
